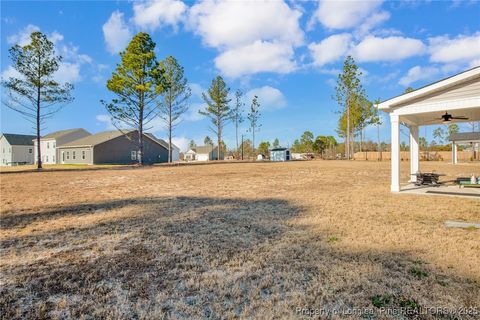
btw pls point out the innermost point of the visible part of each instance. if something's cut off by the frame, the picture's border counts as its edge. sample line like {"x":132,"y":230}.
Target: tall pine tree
{"x":218,"y":109}
{"x":137,"y":82}
{"x":35,"y":94}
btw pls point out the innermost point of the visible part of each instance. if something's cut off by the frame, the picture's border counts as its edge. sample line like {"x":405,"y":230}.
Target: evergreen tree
{"x":35,"y":94}
{"x":276,"y":143}
{"x":237,"y":112}
{"x":137,"y":83}
{"x":254,"y":117}
{"x":175,"y":97}
{"x":347,"y":92}
{"x":207,"y":141}
{"x":217,"y":110}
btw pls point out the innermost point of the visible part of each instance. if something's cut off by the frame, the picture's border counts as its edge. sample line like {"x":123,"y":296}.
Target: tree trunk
{"x":170,"y":134}
{"x":39,"y":155}
{"x":140,"y":134}
{"x":253,"y":142}
{"x":219,"y":138}
{"x":347,"y":147}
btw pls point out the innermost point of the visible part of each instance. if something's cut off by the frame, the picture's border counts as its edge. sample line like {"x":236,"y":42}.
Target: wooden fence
{"x":405,"y":155}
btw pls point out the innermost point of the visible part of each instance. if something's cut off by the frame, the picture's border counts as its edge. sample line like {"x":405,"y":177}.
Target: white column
{"x":395,"y":162}
{"x":454,"y":153}
{"x":414,"y":153}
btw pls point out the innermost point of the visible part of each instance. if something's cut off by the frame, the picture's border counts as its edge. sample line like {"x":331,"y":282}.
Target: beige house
{"x":16,"y":149}
{"x":203,"y":153}
{"x":49,"y":144}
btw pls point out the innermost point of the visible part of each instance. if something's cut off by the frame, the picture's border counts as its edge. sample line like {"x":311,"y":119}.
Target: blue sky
{"x":288,"y":53}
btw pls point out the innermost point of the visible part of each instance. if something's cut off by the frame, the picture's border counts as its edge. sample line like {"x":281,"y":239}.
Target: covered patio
{"x":454,"y":99}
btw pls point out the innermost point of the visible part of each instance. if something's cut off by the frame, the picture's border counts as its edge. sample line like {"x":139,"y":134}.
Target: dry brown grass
{"x":251,"y":240}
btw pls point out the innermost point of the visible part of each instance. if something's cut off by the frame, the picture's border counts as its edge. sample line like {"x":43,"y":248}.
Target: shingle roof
{"x":204,"y":149}
{"x":19,"y":139}
{"x":58,"y":134}
{"x":161,"y":141}
{"x":464,"y":136}
{"x":94,"y":139}
{"x":104,"y":136}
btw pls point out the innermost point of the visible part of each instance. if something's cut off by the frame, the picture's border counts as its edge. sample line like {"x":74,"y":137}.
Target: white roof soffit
{"x":443,"y":84}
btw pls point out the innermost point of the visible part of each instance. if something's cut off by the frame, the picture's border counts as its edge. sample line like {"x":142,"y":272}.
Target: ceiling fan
{"x":447,"y":117}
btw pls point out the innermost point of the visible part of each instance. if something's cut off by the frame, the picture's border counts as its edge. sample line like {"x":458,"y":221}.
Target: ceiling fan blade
{"x":460,"y":118}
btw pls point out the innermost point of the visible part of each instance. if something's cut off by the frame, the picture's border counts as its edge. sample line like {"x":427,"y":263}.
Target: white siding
{"x":48,"y":151}
{"x":202,"y":157}
{"x":5,"y":150}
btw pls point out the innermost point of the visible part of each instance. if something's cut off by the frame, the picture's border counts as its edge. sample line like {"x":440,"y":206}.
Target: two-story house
{"x":49,"y":144}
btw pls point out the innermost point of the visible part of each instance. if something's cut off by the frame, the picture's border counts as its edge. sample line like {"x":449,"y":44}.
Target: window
{"x":73,"y":155}
{"x":48,"y":145}
{"x":63,"y":156}
{"x":134,"y":155}
{"x":30,"y":150}
{"x":83,"y":155}
{"x":53,"y":160}
{"x":54,"y":144}
{"x":46,"y":158}
{"x":68,"y":155}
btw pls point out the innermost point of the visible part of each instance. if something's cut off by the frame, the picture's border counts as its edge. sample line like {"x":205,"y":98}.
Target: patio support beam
{"x":395,"y":162}
{"x":414,"y":153}
{"x":454,"y":153}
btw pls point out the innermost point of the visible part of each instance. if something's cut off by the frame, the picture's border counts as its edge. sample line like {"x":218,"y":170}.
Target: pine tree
{"x":175,"y":97}
{"x":35,"y":94}
{"x":237,"y":112}
{"x":254,"y":117}
{"x":218,"y":109}
{"x":137,"y":83}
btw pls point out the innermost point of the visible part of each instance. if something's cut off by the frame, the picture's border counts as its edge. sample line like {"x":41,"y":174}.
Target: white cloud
{"x":106,"y":120}
{"x":10,"y":72}
{"x":251,"y":36}
{"x":387,"y":49}
{"x":22,"y":38}
{"x":116,"y":33}
{"x":192,"y":113}
{"x":463,"y":49}
{"x":372,"y":21}
{"x":68,"y":72}
{"x":239,"y":23}
{"x":257,"y":57}
{"x":155,"y":13}
{"x":418,"y":73}
{"x":69,"y":68}
{"x":330,"y":49}
{"x":180,"y":142}
{"x":269,"y":98}
{"x":345,"y":14}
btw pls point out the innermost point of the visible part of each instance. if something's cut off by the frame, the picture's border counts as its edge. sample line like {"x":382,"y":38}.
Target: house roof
{"x":19,"y":139}
{"x":161,"y":141}
{"x":94,"y":139}
{"x":465,"y":136}
{"x":101,"y":137}
{"x":61,"y":133}
{"x":204,"y":149}
{"x":278,"y":149}
{"x":440,"y":85}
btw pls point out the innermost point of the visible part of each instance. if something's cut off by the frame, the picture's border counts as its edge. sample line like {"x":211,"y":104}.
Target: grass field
{"x":251,"y":240}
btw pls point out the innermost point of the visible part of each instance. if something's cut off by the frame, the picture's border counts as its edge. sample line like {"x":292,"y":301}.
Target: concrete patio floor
{"x":442,"y":190}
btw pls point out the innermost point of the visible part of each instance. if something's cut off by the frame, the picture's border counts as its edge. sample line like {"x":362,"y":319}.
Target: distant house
{"x":203,"y":153}
{"x":279,"y":154}
{"x":112,"y":147}
{"x":16,"y":149}
{"x":49,"y":144}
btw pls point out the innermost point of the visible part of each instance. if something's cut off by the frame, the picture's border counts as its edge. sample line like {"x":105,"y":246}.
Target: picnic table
{"x":428,"y":178}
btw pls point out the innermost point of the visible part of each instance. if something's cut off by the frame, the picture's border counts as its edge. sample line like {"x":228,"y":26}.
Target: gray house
{"x":16,"y":149}
{"x":112,"y":147}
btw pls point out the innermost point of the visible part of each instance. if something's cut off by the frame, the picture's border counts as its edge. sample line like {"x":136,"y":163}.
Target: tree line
{"x":144,"y":89}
